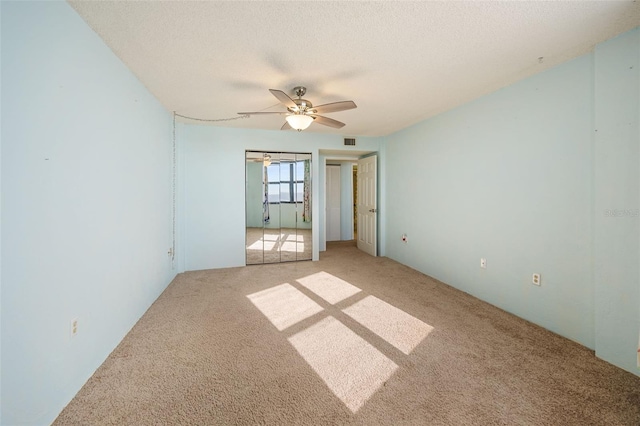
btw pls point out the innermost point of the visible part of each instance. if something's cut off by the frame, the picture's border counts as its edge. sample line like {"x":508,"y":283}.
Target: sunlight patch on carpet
{"x":284,"y":305}
{"x":397,"y":327}
{"x":329,"y":287}
{"x":351,"y":367}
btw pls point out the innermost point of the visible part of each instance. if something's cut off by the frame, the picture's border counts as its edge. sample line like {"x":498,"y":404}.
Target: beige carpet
{"x":351,"y":339}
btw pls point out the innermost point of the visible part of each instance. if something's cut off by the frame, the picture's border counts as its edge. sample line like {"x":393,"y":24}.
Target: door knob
{"x":373,"y":210}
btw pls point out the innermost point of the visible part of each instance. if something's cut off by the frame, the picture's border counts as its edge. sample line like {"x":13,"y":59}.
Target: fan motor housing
{"x":303,"y":104}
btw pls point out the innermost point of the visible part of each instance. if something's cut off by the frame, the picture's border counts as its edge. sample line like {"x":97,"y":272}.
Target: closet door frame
{"x":292,"y":239}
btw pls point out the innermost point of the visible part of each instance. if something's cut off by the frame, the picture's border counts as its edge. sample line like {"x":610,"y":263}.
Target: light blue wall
{"x":616,"y":186}
{"x":506,"y":178}
{"x":214,"y":187}
{"x":86,"y":206}
{"x":522,"y":178}
{"x":0,"y":216}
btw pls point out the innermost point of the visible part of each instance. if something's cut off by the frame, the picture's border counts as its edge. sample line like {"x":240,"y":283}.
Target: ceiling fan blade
{"x":286,"y":126}
{"x":326,"y":121}
{"x":261,"y":112}
{"x":335,"y":107}
{"x":284,"y":98}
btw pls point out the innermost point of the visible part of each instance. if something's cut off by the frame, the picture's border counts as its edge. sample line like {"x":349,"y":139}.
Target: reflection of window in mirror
{"x":286,"y":182}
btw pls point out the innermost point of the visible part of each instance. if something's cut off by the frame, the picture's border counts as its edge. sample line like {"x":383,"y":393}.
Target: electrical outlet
{"x":483,"y":263}
{"x":536,"y":279}
{"x":74,"y":327}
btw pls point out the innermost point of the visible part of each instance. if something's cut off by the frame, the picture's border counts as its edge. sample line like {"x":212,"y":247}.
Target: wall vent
{"x":350,"y":141}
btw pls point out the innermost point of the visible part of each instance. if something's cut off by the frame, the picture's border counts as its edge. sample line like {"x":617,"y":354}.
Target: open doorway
{"x":343,"y":224}
{"x":339,"y":200}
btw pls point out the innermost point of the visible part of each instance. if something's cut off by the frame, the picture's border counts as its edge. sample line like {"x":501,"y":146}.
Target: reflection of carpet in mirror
{"x":278,"y":245}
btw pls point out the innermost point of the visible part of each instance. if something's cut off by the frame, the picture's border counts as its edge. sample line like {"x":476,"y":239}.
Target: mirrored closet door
{"x":278,"y":207}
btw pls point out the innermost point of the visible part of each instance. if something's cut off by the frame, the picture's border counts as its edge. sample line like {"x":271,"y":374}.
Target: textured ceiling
{"x":401,"y":62}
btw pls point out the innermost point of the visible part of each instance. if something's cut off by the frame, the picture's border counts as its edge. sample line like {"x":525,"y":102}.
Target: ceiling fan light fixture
{"x":299,"y":121}
{"x":301,"y":113}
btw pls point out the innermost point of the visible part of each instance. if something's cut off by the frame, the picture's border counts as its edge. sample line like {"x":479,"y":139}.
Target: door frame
{"x":345,"y":155}
{"x":328,"y":190}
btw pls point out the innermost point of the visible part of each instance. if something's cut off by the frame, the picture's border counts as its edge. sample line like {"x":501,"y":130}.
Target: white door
{"x":333,"y":203}
{"x":367,"y":205}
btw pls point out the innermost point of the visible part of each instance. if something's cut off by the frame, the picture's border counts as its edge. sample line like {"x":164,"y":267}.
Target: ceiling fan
{"x":301,"y":113}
